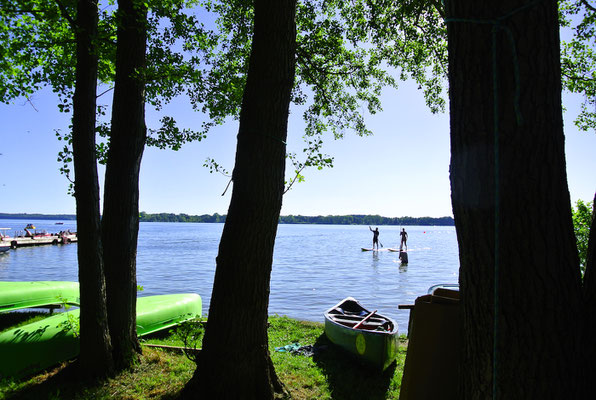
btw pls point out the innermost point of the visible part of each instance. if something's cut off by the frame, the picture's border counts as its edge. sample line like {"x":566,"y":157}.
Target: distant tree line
{"x":301,"y":219}
{"x":353,"y":219}
{"x":169,"y":217}
{"x":66,"y":217}
{"x":365,"y":220}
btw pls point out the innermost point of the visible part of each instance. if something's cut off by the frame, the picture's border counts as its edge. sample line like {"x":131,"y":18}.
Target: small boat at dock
{"x":371,"y":337}
{"x":4,"y":240}
{"x":33,"y":237}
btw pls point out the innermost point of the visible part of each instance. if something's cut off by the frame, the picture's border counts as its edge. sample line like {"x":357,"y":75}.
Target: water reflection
{"x":375,"y":259}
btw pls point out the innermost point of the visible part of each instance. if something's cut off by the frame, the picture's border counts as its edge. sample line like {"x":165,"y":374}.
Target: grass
{"x":161,"y":374}
{"x":330,"y":373}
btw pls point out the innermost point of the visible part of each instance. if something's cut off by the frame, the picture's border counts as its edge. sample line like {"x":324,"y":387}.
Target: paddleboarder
{"x":404,"y":239}
{"x":375,"y":237}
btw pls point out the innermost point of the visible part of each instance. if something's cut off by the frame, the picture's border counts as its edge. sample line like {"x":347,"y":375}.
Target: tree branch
{"x":104,"y":92}
{"x":439,"y":8}
{"x":66,"y":15}
{"x":588,"y":5}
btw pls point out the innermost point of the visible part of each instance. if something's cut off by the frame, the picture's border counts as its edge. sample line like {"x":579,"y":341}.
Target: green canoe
{"x":31,"y":348}
{"x":17,"y":295}
{"x":369,"y":336}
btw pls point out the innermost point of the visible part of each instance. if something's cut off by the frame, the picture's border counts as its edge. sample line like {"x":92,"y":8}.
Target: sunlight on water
{"x":314,"y":267}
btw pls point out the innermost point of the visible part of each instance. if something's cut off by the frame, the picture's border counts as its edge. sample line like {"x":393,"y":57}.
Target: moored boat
{"x":36,"y":238}
{"x":39,"y":345}
{"x":4,"y":240}
{"x":18,"y":295}
{"x":371,"y":337}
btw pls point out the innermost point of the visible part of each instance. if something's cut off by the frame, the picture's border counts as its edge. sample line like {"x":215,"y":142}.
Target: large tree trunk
{"x":590,"y":275}
{"x":95,"y":357}
{"x":511,"y":202}
{"x":235,"y":360}
{"x":120,"y":222}
{"x":589,"y":292}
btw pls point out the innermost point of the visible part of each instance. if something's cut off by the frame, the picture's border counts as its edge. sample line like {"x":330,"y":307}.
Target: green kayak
{"x":31,"y":348}
{"x":17,"y":295}
{"x":369,"y":336}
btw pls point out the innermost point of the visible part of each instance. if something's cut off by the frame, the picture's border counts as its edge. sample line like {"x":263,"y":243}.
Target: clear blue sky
{"x":403,"y":170}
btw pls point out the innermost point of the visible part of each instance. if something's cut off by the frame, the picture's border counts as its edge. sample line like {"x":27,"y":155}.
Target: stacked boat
{"x":36,"y":346}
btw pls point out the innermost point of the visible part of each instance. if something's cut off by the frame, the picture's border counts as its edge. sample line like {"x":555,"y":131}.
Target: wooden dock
{"x":40,"y":240}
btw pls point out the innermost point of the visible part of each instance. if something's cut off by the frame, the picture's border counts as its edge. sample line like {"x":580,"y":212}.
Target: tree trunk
{"x":511,"y":202}
{"x":590,"y":275}
{"x":589,"y":292}
{"x":95,"y":358}
{"x":120,"y":222}
{"x":235,"y":360}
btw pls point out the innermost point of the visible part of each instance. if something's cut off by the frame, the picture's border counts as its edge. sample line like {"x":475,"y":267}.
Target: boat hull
{"x":376,"y":344}
{"x":39,"y":345}
{"x":18,"y":295}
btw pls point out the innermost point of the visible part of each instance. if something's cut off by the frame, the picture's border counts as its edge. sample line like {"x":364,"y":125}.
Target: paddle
{"x":364,"y":319}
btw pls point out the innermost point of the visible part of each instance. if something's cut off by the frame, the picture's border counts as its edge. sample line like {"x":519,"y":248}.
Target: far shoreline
{"x":351,"y":219}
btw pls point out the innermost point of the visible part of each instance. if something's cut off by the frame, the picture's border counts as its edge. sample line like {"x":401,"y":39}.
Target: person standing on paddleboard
{"x":404,"y":239}
{"x":375,"y":237}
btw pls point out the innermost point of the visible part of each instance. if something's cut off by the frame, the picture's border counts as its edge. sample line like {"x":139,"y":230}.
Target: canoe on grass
{"x":369,"y":336}
{"x":18,"y":295}
{"x":36,"y":346}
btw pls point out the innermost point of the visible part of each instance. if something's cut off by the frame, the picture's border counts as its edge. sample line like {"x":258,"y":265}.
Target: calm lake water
{"x":315,"y":266}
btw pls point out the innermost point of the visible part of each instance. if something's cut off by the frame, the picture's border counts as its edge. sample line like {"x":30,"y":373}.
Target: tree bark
{"x":589,"y":293}
{"x":590,"y":275}
{"x":120,"y":222}
{"x":511,"y":202}
{"x":235,"y":360}
{"x":95,"y":358}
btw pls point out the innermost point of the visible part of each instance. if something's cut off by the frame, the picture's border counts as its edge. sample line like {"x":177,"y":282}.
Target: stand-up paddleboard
{"x":369,"y":249}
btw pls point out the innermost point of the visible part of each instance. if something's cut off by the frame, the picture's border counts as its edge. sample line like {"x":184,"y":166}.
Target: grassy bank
{"x":161,"y":374}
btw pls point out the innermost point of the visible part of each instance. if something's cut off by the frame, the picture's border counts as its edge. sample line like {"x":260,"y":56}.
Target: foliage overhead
{"x":347,"y":52}
{"x":578,"y":57}
{"x":37,"y":49}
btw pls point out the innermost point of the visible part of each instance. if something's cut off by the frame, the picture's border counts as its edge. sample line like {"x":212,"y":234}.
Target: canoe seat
{"x":368,"y":325}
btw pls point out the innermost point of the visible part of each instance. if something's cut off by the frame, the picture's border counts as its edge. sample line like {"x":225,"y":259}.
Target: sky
{"x":402,"y":170}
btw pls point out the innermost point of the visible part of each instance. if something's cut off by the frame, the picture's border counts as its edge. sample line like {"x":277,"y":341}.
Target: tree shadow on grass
{"x":347,"y":377}
{"x":60,"y":382}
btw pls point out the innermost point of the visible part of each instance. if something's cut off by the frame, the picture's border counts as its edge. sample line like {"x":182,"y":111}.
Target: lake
{"x":314,"y":267}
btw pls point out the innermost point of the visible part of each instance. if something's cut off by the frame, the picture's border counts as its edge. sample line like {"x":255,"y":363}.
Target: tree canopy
{"x":578,"y":57}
